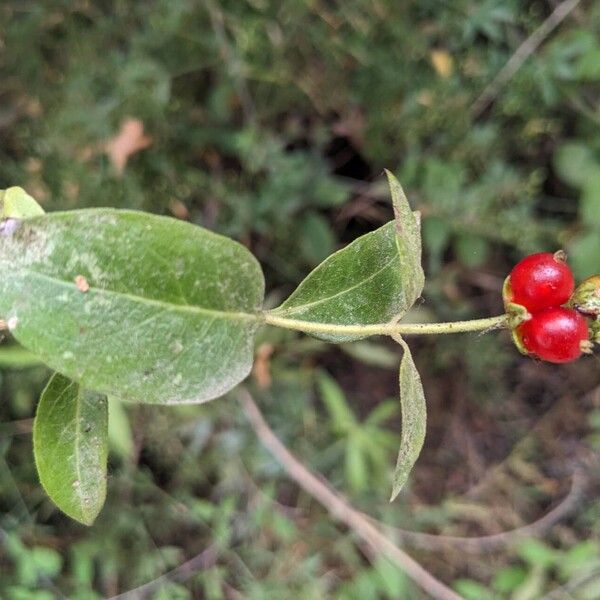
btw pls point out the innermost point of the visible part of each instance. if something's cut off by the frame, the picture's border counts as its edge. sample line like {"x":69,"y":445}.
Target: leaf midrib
{"x":167,"y":306}
{"x":78,"y":489}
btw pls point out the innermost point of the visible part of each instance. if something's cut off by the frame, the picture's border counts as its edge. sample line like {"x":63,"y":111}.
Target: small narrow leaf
{"x":335,"y":402}
{"x":414,"y":419}
{"x":355,"y":464}
{"x":375,"y":279}
{"x":408,"y":241}
{"x":70,"y":446}
{"x":145,"y":308}
{"x":16,"y":203}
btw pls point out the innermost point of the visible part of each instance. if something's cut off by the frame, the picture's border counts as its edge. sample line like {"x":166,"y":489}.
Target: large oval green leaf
{"x":376,"y":278}
{"x":145,"y":308}
{"x":70,"y":445}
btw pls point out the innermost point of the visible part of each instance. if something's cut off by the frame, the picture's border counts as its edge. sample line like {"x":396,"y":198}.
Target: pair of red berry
{"x":538,"y":288}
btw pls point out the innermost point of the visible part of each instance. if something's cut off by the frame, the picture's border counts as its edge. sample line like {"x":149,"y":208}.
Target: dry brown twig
{"x":339,"y":509}
{"x":206,"y":559}
{"x":522,"y":53}
{"x":490,"y":543}
{"x":369,"y":530}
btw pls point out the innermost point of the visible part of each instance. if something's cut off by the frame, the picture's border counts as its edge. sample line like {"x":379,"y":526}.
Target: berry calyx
{"x":586,"y":298}
{"x":539,"y":281}
{"x":556,"y":335}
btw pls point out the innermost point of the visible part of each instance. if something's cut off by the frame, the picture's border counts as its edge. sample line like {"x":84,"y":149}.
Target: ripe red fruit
{"x":556,"y":335}
{"x":540,"y":281}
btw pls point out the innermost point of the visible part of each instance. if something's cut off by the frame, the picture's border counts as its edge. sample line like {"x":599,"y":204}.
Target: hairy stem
{"x":388,"y":328}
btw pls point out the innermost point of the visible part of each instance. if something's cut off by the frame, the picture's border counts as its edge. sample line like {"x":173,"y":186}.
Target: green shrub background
{"x":271,"y":122}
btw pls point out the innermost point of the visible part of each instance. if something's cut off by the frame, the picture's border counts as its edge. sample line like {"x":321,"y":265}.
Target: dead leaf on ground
{"x":130,"y":140}
{"x":442,"y":62}
{"x":179,"y":209}
{"x":262,"y":366}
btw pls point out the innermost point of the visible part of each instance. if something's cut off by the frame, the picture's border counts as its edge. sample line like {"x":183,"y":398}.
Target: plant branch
{"x":206,"y":559}
{"x":339,"y":508}
{"x":388,"y":328}
{"x":490,"y":543}
{"x":522,"y":53}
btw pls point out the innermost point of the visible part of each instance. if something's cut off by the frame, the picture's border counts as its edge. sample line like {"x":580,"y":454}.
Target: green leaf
{"x":355,"y":465}
{"x":371,"y":353}
{"x":472,"y":250}
{"x":436,"y":235}
{"x":16,"y":203}
{"x":583,"y":254}
{"x":169,"y":316}
{"x":393,"y":582}
{"x":574,"y":163}
{"x":47,"y":562}
{"x":335,"y":402}
{"x":588,"y":65}
{"x":316,"y":239}
{"x":408,"y":242}
{"x":382,"y":412}
{"x":533,"y":586}
{"x":590,"y":201}
{"x":414,"y":419}
{"x":471,"y":590}
{"x":120,"y":436}
{"x":582,"y":556}
{"x":374,"y":279}
{"x":509,"y":578}
{"x":70,"y":447}
{"x":13,"y":357}
{"x":538,"y":553}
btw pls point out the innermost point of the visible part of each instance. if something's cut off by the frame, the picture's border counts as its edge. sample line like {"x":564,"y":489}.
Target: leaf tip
{"x":87,"y":520}
{"x":400,"y":202}
{"x":398,"y":486}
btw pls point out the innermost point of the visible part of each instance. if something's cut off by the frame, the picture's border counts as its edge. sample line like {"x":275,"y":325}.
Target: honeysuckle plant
{"x":153,"y":310}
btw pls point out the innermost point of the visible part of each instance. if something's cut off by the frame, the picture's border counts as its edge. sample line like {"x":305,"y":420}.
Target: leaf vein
{"x":303,"y":307}
{"x":167,"y":306}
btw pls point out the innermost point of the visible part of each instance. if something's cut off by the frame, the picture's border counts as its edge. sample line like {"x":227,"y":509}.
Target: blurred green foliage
{"x":271,"y":122}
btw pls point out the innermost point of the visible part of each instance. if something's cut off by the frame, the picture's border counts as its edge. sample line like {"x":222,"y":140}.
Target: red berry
{"x":540,"y":281}
{"x":557,"y":335}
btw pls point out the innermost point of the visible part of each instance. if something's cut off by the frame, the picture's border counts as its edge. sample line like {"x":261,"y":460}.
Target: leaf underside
{"x":70,"y":447}
{"x":375,"y":279}
{"x":414,"y":419}
{"x":145,"y":308}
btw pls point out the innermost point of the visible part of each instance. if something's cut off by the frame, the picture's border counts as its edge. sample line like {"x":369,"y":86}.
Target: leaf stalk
{"x":489,"y":323}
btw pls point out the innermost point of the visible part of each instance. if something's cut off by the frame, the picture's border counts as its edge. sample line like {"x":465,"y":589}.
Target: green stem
{"x":388,"y":328}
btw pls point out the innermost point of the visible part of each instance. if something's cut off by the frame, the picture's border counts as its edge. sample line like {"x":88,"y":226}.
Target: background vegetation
{"x":271,"y":122}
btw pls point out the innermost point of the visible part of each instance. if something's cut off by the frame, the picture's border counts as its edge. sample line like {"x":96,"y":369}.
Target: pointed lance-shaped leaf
{"x":145,"y":308}
{"x":414,"y":419}
{"x":70,"y":446}
{"x":373,"y":280}
{"x":408,"y":241}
